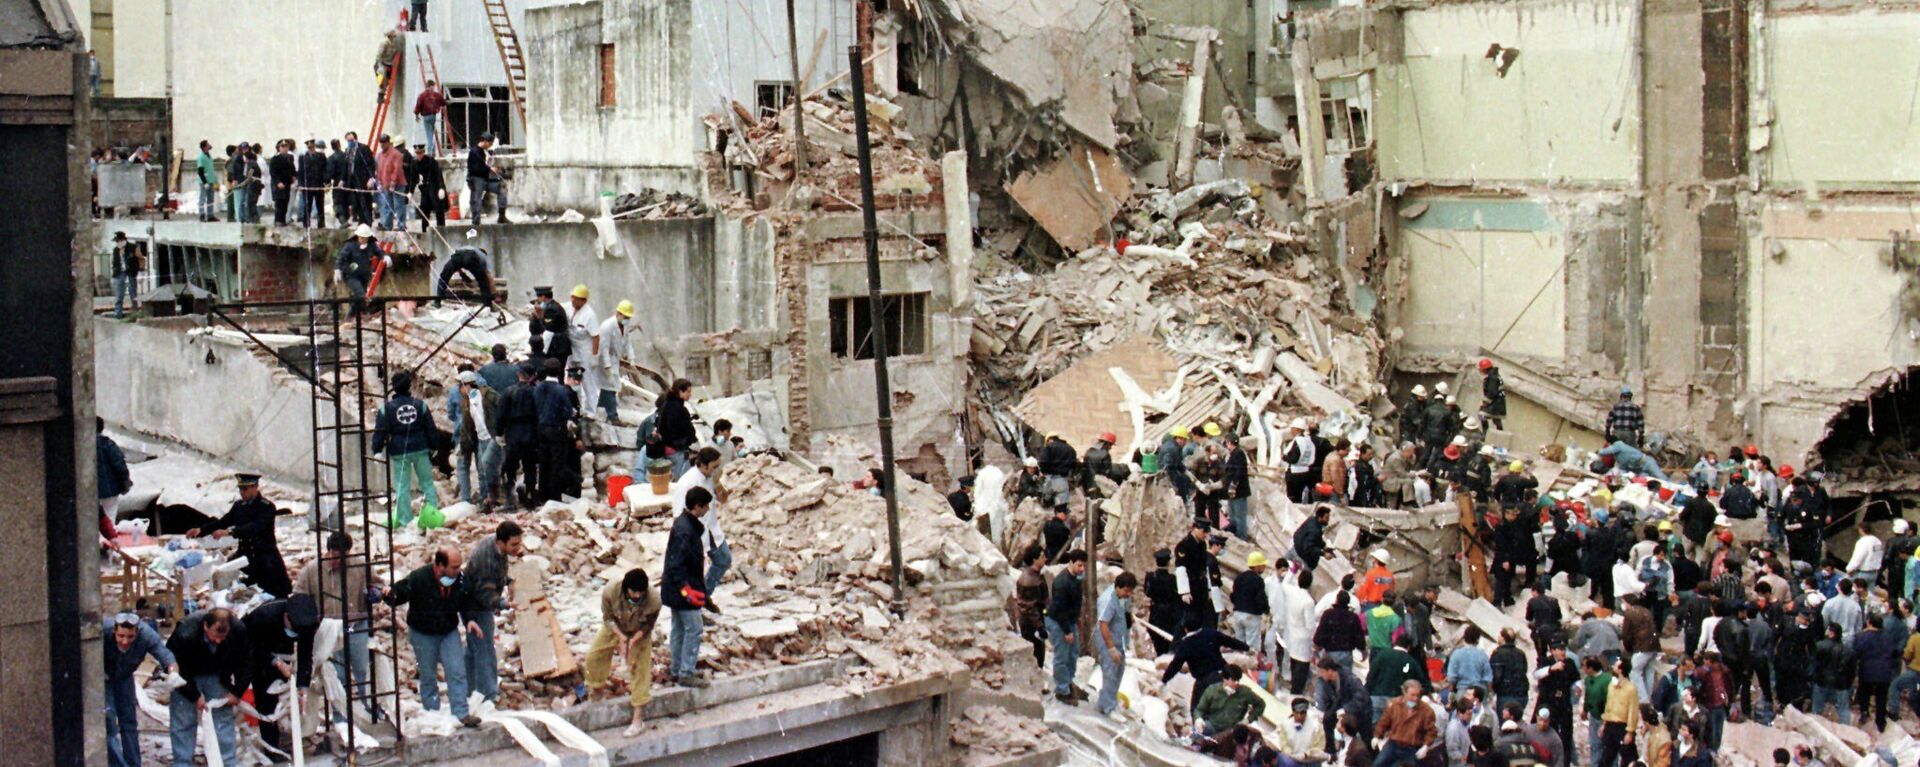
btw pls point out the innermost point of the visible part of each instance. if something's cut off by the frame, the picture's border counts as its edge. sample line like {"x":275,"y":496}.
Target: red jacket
{"x":390,"y":169}
{"x":431,"y":102}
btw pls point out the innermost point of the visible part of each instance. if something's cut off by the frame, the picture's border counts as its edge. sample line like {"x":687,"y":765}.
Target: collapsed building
{"x":1114,"y":216}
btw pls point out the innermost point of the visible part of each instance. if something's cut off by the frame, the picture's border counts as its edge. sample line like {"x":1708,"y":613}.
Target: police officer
{"x":251,"y":522}
{"x":549,"y":327}
{"x":353,"y":266}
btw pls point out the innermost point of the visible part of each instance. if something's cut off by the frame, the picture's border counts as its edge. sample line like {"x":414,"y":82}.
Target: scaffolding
{"x":346,"y":368}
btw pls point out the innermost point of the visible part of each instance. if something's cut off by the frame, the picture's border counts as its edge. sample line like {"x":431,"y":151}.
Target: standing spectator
{"x":1833,"y":675}
{"x":203,"y":169}
{"x":311,"y":176}
{"x":1625,"y":422}
{"x":1238,"y":487}
{"x":280,"y":171}
{"x":674,"y":424}
{"x":486,"y":571}
{"x":432,"y":101}
{"x":1510,"y":683}
{"x":442,"y":603}
{"x":1619,"y":719}
{"x":682,"y":586}
{"x":1063,"y":616}
{"x":130,"y":641}
{"x":628,"y":612}
{"x":391,"y":174}
{"x":126,"y":274}
{"x":322,"y":581}
{"x":463,"y":450}
{"x":1878,"y":659}
{"x":357,"y":171}
{"x":433,"y":190}
{"x":1030,"y":604}
{"x":1113,"y":623}
{"x":1250,"y":604}
{"x":553,"y":406}
{"x":211,"y":651}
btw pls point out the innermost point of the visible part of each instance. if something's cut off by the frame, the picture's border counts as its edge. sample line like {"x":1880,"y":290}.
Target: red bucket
{"x":1436,"y":670}
{"x":617,"y":488}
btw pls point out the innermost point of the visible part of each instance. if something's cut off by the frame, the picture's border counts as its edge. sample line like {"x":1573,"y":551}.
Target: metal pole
{"x":876,"y":308}
{"x":799,"y":116}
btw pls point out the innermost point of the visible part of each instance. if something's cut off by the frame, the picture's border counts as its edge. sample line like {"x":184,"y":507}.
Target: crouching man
{"x":630,"y":609}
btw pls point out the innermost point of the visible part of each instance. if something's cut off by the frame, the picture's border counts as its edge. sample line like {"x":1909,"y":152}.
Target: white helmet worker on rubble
{"x":1298,"y":455}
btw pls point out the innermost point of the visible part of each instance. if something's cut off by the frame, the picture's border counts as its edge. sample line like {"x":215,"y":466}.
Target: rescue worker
{"x":1625,"y":422}
{"x":404,"y":432}
{"x":1099,"y":463}
{"x":1058,"y":461}
{"x":583,"y":336}
{"x":353,"y":265}
{"x":1173,"y":462}
{"x":1164,"y":610}
{"x":610,"y":350}
{"x":471,"y":261}
{"x":1413,"y":417}
{"x":280,"y":650}
{"x":549,"y":326}
{"x":1299,"y":455}
{"x":250,"y":522}
{"x":1377,"y":581}
{"x":554,"y":407}
{"x":1493,"y":396}
{"x":1192,"y":563}
{"x":1436,"y":425}
{"x":210,"y":648}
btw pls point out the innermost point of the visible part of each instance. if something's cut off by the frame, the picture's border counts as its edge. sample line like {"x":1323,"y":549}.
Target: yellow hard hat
{"x":1665,"y":526}
{"x":1516,"y":467}
{"x":580,"y":290}
{"x":1256,"y":559}
{"x":625,"y":309}
{"x":1212,"y":429}
{"x":1179,"y":432}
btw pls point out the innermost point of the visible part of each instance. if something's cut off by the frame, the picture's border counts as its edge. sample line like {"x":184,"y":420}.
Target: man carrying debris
{"x":212,"y":653}
{"x":131,"y":640}
{"x":1113,"y":622}
{"x":1493,"y":396}
{"x":442,"y":604}
{"x":280,"y":639}
{"x":353,"y":265}
{"x":1625,"y":422}
{"x":321,"y":579}
{"x":486,"y":570}
{"x":250,"y":522}
{"x":610,"y":350}
{"x":1298,"y":455}
{"x":404,"y":432}
{"x":683,"y":586}
{"x":1063,"y":617}
{"x":628,"y":612}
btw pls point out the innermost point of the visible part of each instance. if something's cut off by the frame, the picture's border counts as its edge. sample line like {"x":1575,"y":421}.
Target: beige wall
{"x":1565,"y":110}
{"x":1841,"y":88}
{"x":232,"y":83}
{"x":140,"y":48}
{"x":1473,"y":267}
{"x":1823,"y":301}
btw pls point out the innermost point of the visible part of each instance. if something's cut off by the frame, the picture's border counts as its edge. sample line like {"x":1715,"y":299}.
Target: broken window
{"x":1346,"y":108}
{"x":476,"y":109}
{"x":607,"y":97}
{"x":769,"y":97}
{"x":851,"y":325}
{"x":759,"y":364}
{"x":700,"y":371}
{"x":215,"y":270}
{"x":906,"y":58}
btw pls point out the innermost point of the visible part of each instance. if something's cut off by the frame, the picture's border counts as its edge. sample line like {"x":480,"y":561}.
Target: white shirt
{"x":688,"y":481}
{"x":478,"y":413}
{"x":613,"y":343}
{"x":1867,"y":554}
{"x":1302,"y":463}
{"x":581,"y":325}
{"x":1422,"y":492}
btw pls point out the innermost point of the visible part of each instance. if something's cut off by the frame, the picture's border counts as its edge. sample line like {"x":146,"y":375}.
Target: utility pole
{"x":799,"y":115}
{"x":876,"y":308}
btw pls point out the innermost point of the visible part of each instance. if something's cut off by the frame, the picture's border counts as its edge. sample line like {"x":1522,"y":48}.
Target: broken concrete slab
{"x":1074,"y":197}
{"x":1075,"y":54}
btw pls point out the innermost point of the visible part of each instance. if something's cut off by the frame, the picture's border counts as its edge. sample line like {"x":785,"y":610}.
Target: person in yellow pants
{"x":630,"y":609}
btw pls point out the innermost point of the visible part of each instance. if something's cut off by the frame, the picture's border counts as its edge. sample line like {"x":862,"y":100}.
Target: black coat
{"x":267,"y":637}
{"x":518,"y":415}
{"x":231,"y":661}
{"x":1310,"y":542}
{"x":1192,"y":556}
{"x":432,"y":183}
{"x":357,"y":168}
{"x":1237,"y":483}
{"x":435,"y":609}
{"x":686,"y":562}
{"x":280,"y":171}
{"x":675,"y":424}
{"x":312,"y":172}
{"x":1058,"y":458}
{"x":251,"y":524}
{"x":1494,"y":394}
{"x":1066,"y":599}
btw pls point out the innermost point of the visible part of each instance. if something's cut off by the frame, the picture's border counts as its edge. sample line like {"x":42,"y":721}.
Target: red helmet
{"x":1452,"y":452}
{"x":1786,"y":472}
{"x":1485,"y":363}
{"x":1752,"y":451}
{"x":1107,"y":437}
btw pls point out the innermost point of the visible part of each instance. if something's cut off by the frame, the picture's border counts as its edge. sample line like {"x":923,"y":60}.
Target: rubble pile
{"x":991,"y":735}
{"x":902,"y":176}
{"x":650,"y":203}
{"x":1239,"y":301}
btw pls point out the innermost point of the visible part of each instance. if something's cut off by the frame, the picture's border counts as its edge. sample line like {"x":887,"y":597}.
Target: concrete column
{"x":959,"y":221}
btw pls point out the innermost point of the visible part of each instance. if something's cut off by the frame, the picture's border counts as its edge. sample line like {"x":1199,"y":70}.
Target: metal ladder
{"x":511,"y":57}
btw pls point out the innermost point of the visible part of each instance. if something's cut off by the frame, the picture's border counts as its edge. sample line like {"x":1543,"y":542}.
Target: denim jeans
{"x":183,"y":721}
{"x":483,"y":661}
{"x":490,"y":453}
{"x":407,"y":469}
{"x":430,"y":122}
{"x":1246,"y":628}
{"x":1237,"y":511}
{"x":1840,"y":697}
{"x":1380,"y":703}
{"x":680,"y":463}
{"x":463,"y":476}
{"x":207,"y":208}
{"x":122,"y":293}
{"x":1642,"y":672}
{"x":443,"y":651}
{"x":1066,"y":656}
{"x":1716,"y":725}
{"x":1110,"y":672}
{"x":1903,"y":686}
{"x":684,"y":642}
{"x":610,"y":403}
{"x":1594,"y":726}
{"x":1394,"y":754}
{"x":353,"y":661}
{"x":719,"y":559}
{"x":393,"y":208}
{"x":1343,"y":657}
{"x":123,"y":724}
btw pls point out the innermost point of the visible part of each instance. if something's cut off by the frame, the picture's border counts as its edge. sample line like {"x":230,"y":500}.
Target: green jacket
{"x":1222,"y":710}
{"x":1381,"y":623}
{"x":1596,"y":693}
{"x":1390,"y":668}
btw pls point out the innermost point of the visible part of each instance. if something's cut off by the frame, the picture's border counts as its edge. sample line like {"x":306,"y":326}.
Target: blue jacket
{"x":456,"y":409}
{"x":112,"y":467}
{"x":553,"y":403}
{"x":686,"y":563}
{"x":1629,"y":459}
{"x":518,"y":415}
{"x":121,"y":665}
{"x":1879,"y":659}
{"x":405,"y":426}
{"x":1469,"y":667}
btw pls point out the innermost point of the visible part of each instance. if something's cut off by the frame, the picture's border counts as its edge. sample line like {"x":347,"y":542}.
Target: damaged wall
{"x":1835,"y":122}
{"x":1565,"y":109}
{"x":1481,"y":273}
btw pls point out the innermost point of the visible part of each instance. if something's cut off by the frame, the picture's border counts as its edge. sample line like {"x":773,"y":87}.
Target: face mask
{"x":290,"y":632}
{"x":446,"y":580}
{"x":874,"y":490}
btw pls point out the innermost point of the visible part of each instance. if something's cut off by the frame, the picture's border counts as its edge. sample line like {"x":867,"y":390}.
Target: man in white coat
{"x":609,"y":350}
{"x":1294,"y":618}
{"x":583,"y":332}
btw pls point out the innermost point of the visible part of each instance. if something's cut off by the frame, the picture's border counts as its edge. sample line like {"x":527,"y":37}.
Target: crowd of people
{"x":387,"y":185}
{"x":1686,"y":624}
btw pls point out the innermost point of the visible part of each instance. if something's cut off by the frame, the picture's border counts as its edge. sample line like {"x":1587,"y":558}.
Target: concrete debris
{"x":904,"y":178}
{"x":990,"y":734}
{"x":1073,"y":56}
{"x":1075,"y":196}
{"x":649,"y":203}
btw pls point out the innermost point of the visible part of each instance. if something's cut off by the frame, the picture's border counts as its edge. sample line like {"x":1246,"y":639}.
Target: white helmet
{"x":363,"y":231}
{"x":1473,"y":422}
{"x":1419,"y":390}
{"x":1031,"y":462}
{"x":1440,"y":387}
{"x":1900,"y":527}
{"x":1298,"y":423}
{"x":472,"y":233}
{"x":1460,"y":440}
{"x":1381,"y":556}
